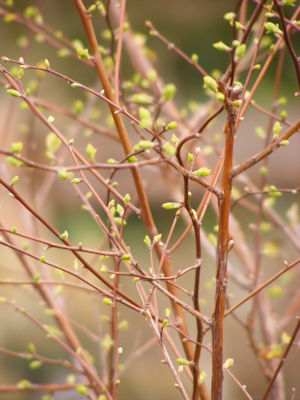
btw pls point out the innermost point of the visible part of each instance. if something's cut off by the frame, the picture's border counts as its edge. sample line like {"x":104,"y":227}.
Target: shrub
{"x":225,"y":235}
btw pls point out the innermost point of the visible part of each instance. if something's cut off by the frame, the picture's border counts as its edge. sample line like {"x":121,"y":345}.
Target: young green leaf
{"x":91,"y":151}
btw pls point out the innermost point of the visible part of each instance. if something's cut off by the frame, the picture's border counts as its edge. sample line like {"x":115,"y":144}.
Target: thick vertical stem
{"x":221,"y":276}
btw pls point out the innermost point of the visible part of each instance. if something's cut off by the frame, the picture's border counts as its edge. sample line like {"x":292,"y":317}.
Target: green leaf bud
{"x":35,"y":364}
{"x":191,"y":158}
{"x":78,"y":106}
{"x":229,"y":16}
{"x":195,"y":58}
{"x":174,"y":139}
{"x":210,"y":84}
{"x":221,"y":46}
{"x":112,"y":211}
{"x":123,"y":325}
{"x":83,"y":53}
{"x":46,"y":63}
{"x":126,"y":26}
{"x":106,"y":34}
{"x":127,"y":198}
{"x":169,"y":149}
{"x":167,"y":312}
{"x":171,"y":205}
{"x":275,"y":352}
{"x":265,"y":227}
{"x":146,"y":144}
{"x":75,"y":181}
{"x":283,"y":115}
{"x":147,"y":241}
{"x":273,"y":191}
{"x":107,"y":301}
{"x":10,"y":17}
{"x":238,"y":25}
{"x":103,"y":268}
{"x":152,"y":75}
{"x":272,"y":28}
{"x":24,"y":384}
{"x":240,"y":51}
{"x":141,"y":98}
{"x":220,"y":97}
{"x":144,"y":113}
{"x":63,"y":174}
{"x":169,"y":91}
{"x":288,"y":2}
{"x":284,"y":143}
{"x":83,"y":390}
{"x":132,"y":159}
{"x":64,"y":235}
{"x":237,"y":103}
{"x":63,"y":52}
{"x":13,"y":92}
{"x":275,"y":292}
{"x":91,"y":151}
{"x":92,"y":8}
{"x":277,"y":129}
{"x":285,"y":338}
{"x":171,"y":125}
{"x":16,"y":147}
{"x":53,"y":143}
{"x":228,"y":363}
{"x":31,"y":348}
{"x":111,"y":203}
{"x":236,"y":43}
{"x":260,"y":132}
{"x":37,"y":278}
{"x":126,"y":257}
{"x":202,"y":377}
{"x":202,"y":172}
{"x":120,"y":210}
{"x":263,"y":170}
{"x":43,"y":259}
{"x":14,"y":180}
{"x":182,"y":361}
{"x":282,"y":101}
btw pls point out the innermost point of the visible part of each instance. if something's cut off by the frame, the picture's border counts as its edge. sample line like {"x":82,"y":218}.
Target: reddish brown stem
{"x":221,"y":275}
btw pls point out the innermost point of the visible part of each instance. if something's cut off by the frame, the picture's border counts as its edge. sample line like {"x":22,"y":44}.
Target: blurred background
{"x":193,"y":27}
